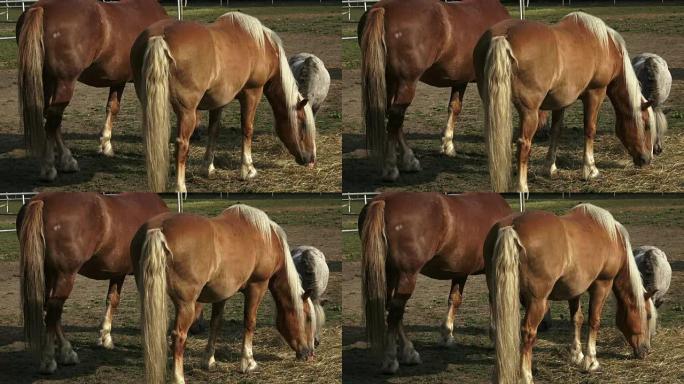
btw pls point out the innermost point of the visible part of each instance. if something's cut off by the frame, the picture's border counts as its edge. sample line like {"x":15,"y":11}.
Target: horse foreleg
{"x":254,"y":293}
{"x":214,"y":328}
{"x":455,"y":106}
{"x":455,"y":299}
{"x":113,"y":296}
{"x":113,"y":106}
{"x":598,"y":293}
{"x":577,"y":317}
{"x":591,"y":101}
{"x":528,"y":126}
{"x":395,"y":316}
{"x":185,"y":314}
{"x":556,"y":127}
{"x":533,"y":316}
{"x":186,"y":125}
{"x":64,"y":283}
{"x":214,"y":127}
{"x":249,"y":99}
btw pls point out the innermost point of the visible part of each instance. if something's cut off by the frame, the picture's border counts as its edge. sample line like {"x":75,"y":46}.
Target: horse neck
{"x":275,"y":94}
{"x":280,"y":289}
{"x":619,"y":96}
{"x":622,"y":287}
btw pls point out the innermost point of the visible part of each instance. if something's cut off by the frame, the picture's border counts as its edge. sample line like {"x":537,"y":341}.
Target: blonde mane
{"x":261,"y":34}
{"x":599,"y":29}
{"x":613,"y":227}
{"x":259,"y":220}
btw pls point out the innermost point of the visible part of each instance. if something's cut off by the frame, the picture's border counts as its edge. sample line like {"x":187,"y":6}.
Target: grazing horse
{"x":656,"y":271}
{"x":548,"y":67}
{"x":62,"y":234}
{"x":196,"y":259}
{"x":314,"y":273}
{"x":312,"y":78}
{"x":536,"y":257}
{"x":656,"y":81}
{"x":59,"y":46}
{"x":406,"y":41}
{"x":187,"y":66}
{"x":407,"y":233}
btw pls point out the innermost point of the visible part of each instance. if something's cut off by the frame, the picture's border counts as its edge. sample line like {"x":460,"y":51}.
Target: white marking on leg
{"x":589,"y":170}
{"x":47,"y":359}
{"x":247,"y":170}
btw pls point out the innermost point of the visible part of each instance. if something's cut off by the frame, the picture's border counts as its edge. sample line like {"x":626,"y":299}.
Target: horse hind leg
{"x":533,"y":317}
{"x":455,"y":106}
{"x":396,"y":140}
{"x":396,"y":307}
{"x":576,"y":355}
{"x":60,"y":94}
{"x":186,"y":125}
{"x":528,"y":125}
{"x":55,"y":335}
{"x":455,"y":299}
{"x":113,"y":106}
{"x":185,"y":314}
{"x":556,"y":127}
{"x":214,"y":127}
{"x":209,"y":361}
{"x":113,"y":298}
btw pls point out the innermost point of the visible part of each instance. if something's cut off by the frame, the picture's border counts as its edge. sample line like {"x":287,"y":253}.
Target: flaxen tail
{"x":373,"y":255}
{"x":152,"y":289}
{"x":506,"y":310}
{"x":30,"y":81}
{"x":32,"y":250}
{"x":373,"y":87}
{"x":154,"y":97}
{"x":497,"y":106}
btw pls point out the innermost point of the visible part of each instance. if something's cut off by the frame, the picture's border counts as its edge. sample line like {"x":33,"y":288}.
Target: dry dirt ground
{"x":654,"y":29}
{"x":314,"y":222}
{"x":313,"y":29}
{"x":472,"y":359}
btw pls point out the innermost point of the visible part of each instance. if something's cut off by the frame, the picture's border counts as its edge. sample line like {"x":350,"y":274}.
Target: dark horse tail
{"x":154,"y":97}
{"x":30,"y":79}
{"x":32,"y":251}
{"x":373,"y":255}
{"x":374,"y":89}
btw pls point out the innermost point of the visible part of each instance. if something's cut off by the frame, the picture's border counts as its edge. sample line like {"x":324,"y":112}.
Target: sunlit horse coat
{"x":312,"y":77}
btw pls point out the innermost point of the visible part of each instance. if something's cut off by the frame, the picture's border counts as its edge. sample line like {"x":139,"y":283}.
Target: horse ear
{"x":302,"y":103}
{"x":646,"y":104}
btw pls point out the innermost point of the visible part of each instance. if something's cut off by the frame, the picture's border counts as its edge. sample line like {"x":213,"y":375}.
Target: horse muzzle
{"x":657,"y":149}
{"x":305,"y":354}
{"x":642,"y":160}
{"x":641,"y":352}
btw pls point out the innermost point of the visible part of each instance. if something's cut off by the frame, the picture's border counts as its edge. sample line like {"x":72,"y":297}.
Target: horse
{"x":312,"y":78}
{"x":656,"y":81}
{"x":186,"y":66}
{"x":62,"y":234}
{"x":548,"y":67}
{"x":58,"y":47}
{"x":656,"y":271}
{"x":407,"y":233}
{"x":406,"y":41}
{"x":314,"y":273}
{"x":195,"y":259}
{"x":537,"y":256}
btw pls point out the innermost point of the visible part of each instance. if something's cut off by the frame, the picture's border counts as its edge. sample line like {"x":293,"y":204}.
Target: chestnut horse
{"x":188,"y":66}
{"x":62,"y":234}
{"x":407,"y":233}
{"x":536,"y":257}
{"x":57,"y":47}
{"x":196,"y":259}
{"x":404,"y":41}
{"x":548,"y":67}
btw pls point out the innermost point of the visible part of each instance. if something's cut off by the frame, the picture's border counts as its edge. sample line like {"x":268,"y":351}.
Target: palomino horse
{"x":538,"y":66}
{"x":407,"y":233}
{"x":188,"y":66}
{"x":197,"y":259}
{"x":537,"y":256}
{"x":404,"y":41}
{"x":64,"y":234}
{"x":57,"y":47}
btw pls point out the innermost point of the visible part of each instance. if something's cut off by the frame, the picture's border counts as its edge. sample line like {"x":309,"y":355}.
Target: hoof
{"x":550,"y":170}
{"x":48,"y":367}
{"x":182,"y":189}
{"x":448,"y":149}
{"x":590,"y":173}
{"x":178,"y":380}
{"x":411,"y":357}
{"x":106,"y":342}
{"x":68,"y":164}
{"x":247,"y":365}
{"x":209,"y":170}
{"x":248,"y":172}
{"x":590,"y":365}
{"x":48,"y":174}
{"x":576,"y":357}
{"x":106,"y":150}
{"x":68,"y":357}
{"x":391,"y":174}
{"x":411,"y":165}
{"x":390,"y":367}
{"x":210,"y":363}
{"x":448,"y":342}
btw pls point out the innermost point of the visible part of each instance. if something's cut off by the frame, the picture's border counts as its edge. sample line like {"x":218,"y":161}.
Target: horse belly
{"x":564,"y":289}
{"x":218,"y":290}
{"x":105,"y":267}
